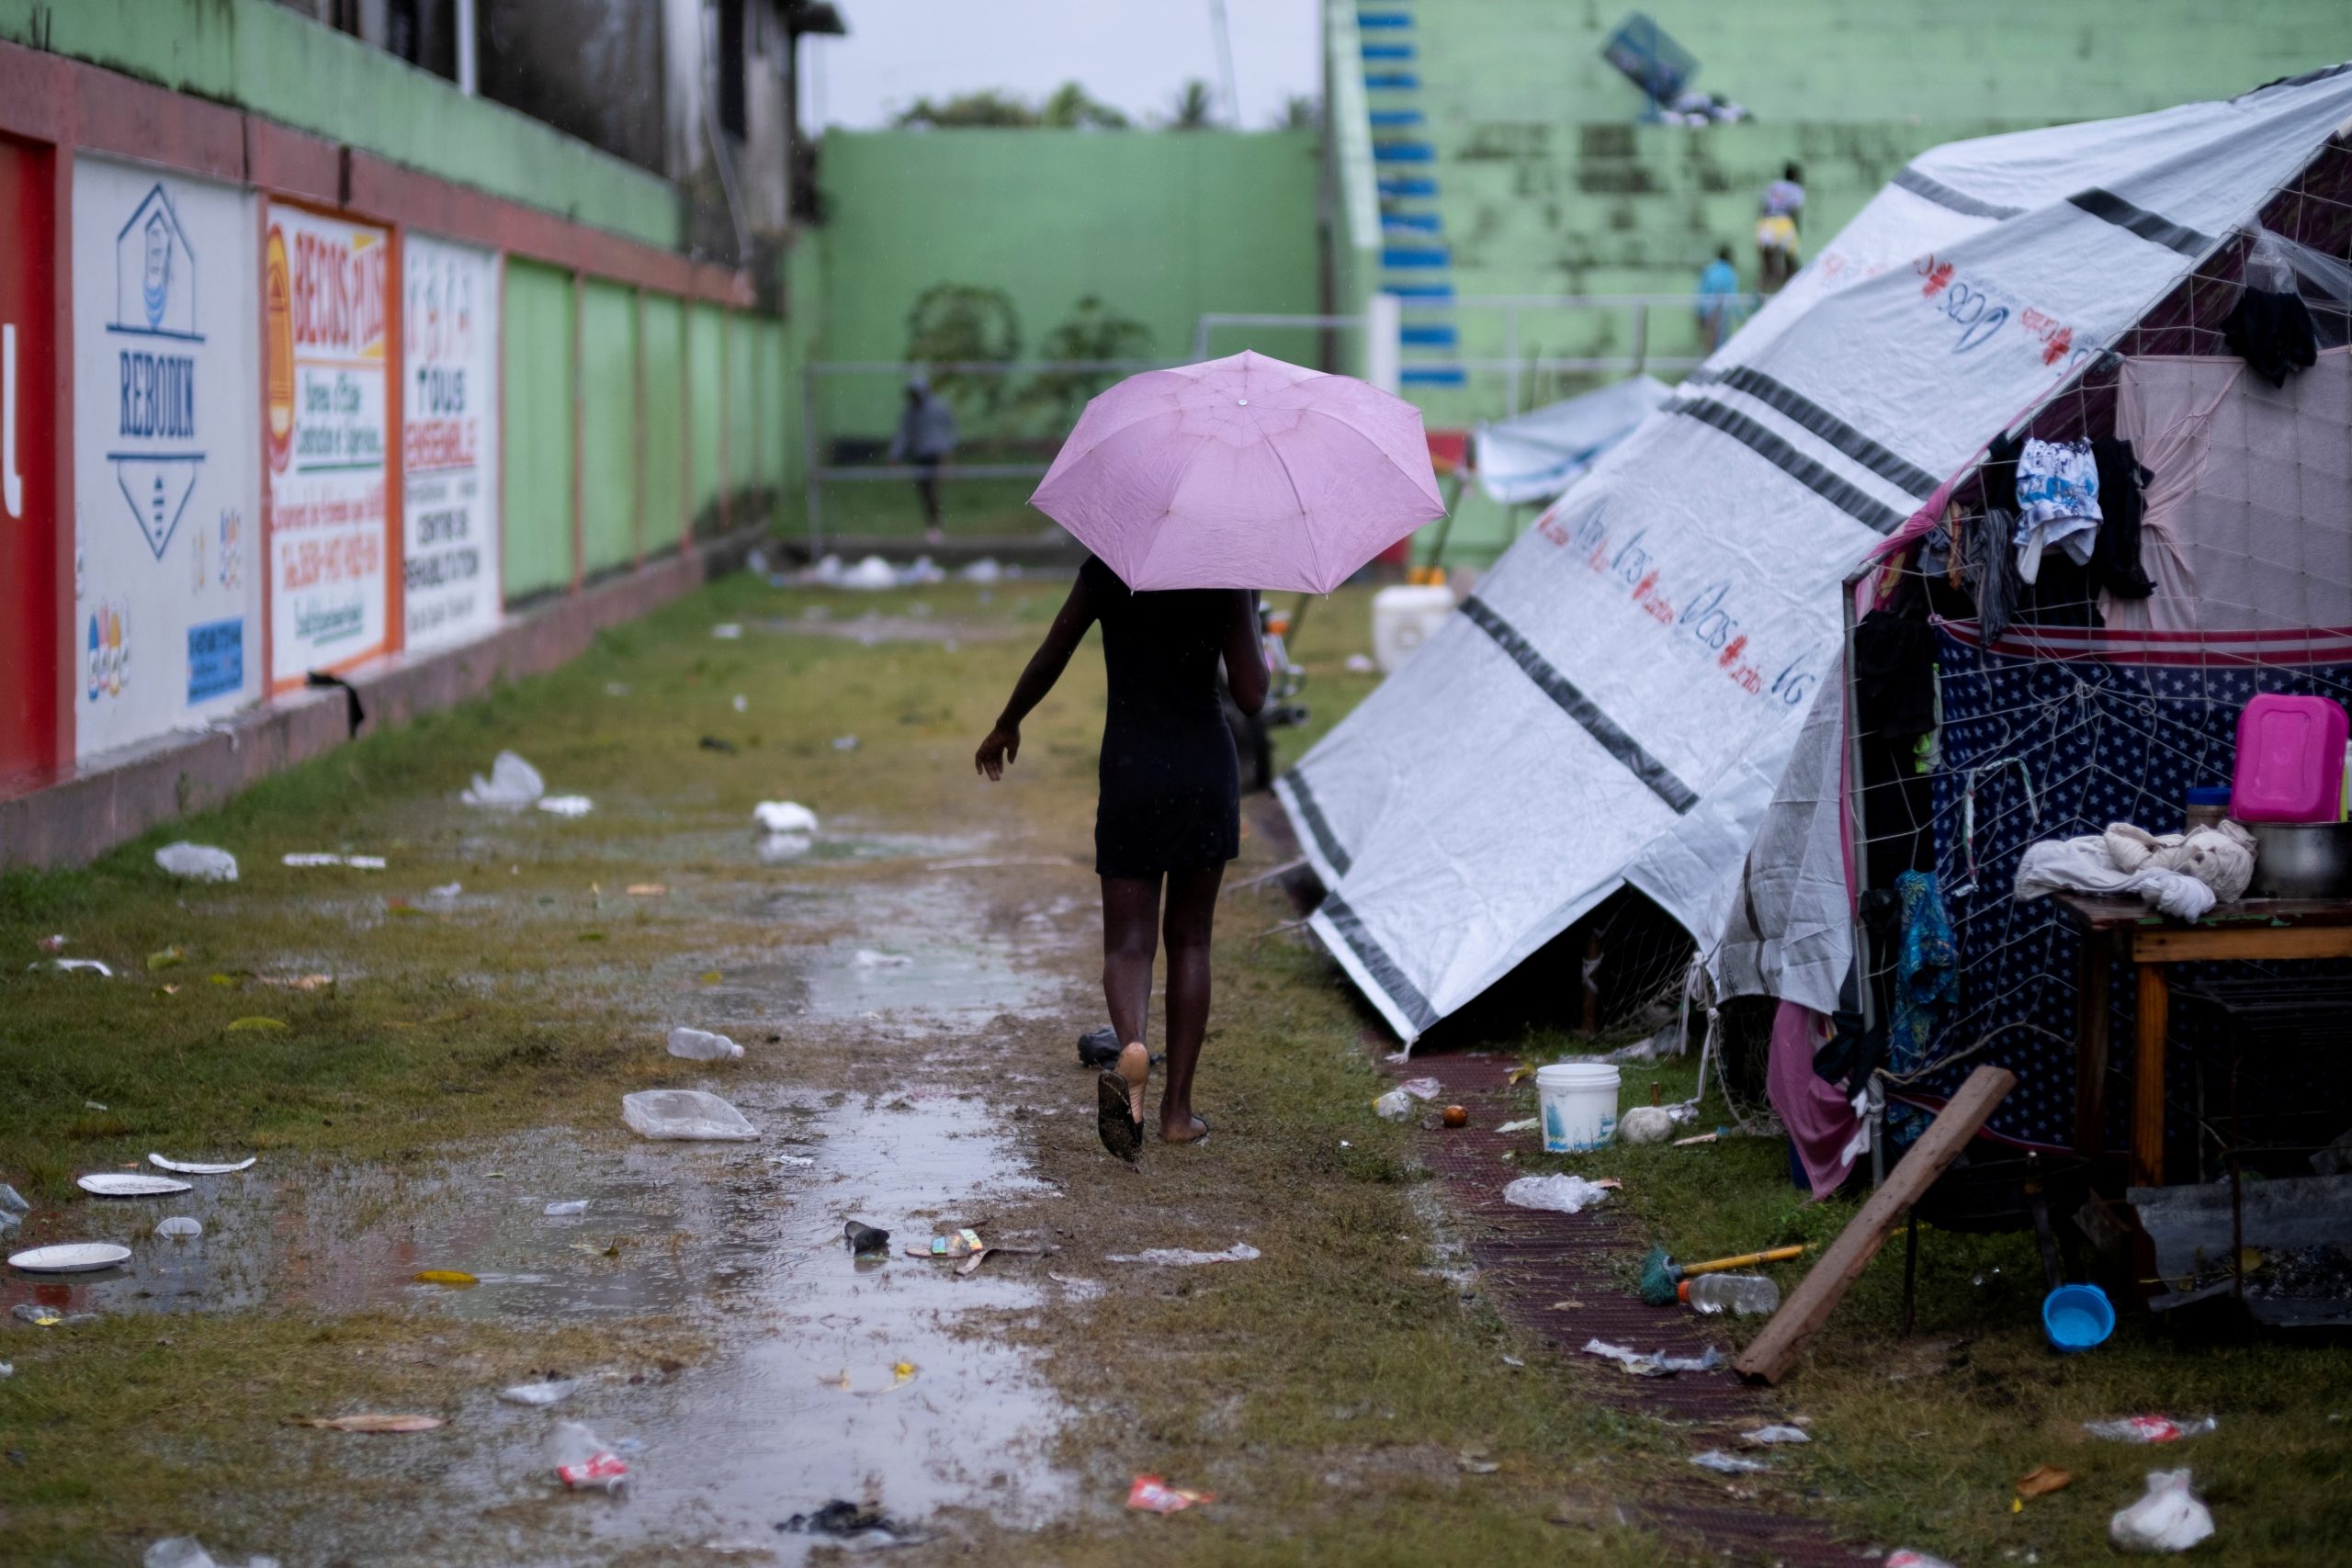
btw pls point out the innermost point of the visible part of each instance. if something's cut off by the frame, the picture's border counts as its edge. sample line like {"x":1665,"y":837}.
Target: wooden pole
{"x":1769,"y":1357}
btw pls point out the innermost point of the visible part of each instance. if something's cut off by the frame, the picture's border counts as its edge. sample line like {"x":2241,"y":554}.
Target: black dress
{"x":1171,"y":785}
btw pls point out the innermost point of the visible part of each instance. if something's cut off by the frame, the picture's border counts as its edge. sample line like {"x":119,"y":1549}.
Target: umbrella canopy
{"x":1243,"y":472}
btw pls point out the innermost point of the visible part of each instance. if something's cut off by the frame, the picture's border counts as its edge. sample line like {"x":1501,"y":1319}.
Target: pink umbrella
{"x":1241,"y":473}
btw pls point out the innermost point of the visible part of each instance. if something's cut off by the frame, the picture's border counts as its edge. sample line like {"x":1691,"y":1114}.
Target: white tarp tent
{"x":1617,"y":702}
{"x":1537,"y":455}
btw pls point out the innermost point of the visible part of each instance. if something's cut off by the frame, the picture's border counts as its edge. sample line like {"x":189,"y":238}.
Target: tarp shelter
{"x":1616,"y":702}
{"x":1538,"y":455}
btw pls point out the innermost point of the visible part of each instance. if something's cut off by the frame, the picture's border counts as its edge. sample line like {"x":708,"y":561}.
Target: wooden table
{"x":2127,"y":929}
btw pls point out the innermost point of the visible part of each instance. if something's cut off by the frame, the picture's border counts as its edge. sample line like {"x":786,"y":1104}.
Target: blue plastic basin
{"x":2077,"y":1316}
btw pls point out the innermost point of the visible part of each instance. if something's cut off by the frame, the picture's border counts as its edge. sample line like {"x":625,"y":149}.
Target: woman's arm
{"x":1046,"y":667}
{"x":1245,"y":654}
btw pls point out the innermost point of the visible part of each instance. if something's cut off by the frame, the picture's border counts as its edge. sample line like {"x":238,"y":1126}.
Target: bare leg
{"x":1130,"y":941}
{"x":1191,"y":913}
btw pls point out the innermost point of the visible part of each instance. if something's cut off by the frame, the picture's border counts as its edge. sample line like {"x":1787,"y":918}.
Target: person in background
{"x":1777,"y":251}
{"x":1717,"y":284}
{"x":926,"y":435}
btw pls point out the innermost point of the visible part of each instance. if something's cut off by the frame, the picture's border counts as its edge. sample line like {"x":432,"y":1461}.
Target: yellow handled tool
{"x":1662,"y":1274}
{"x":1744,"y":1261}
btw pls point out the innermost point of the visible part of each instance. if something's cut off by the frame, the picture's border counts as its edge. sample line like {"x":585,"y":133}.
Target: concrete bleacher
{"x":1515,"y":160}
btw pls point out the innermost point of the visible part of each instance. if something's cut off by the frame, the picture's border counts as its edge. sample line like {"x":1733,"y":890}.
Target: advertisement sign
{"x":28,"y":499}
{"x":449,"y":556}
{"x":327,"y":294}
{"x":166,"y":453}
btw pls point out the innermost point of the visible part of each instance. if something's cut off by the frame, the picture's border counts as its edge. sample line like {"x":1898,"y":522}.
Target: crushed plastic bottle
{"x":702,"y":1045}
{"x":180,"y":1227}
{"x":566,"y":1209}
{"x":1748,"y":1296}
{"x":584,"y":1459}
{"x":198,"y":863}
{"x":2149,"y":1429}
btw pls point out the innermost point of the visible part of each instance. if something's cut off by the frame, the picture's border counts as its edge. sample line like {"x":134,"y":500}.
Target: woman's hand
{"x":1001,"y":747}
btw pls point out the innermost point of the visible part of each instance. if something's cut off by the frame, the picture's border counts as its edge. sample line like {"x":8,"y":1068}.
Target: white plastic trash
{"x":582,"y":1459}
{"x":566,"y":1209}
{"x":1563,"y":1194}
{"x":686,"y":1114}
{"x":179,"y":1227}
{"x":198,"y":863}
{"x":775,"y":849}
{"x":784,"y":816}
{"x":702,"y":1045}
{"x":983,"y":571}
{"x":1645,"y":1124}
{"x":2168,"y":1518}
{"x":541,"y":1395}
{"x":871,"y":573}
{"x":1579,"y":1104}
{"x":567,"y":805}
{"x":1403,"y":617}
{"x":1393,"y":1106}
{"x":511,"y":782}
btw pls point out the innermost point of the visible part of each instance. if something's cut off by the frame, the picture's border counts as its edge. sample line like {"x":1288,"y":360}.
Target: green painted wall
{"x":705,"y":325}
{"x":608,"y":425}
{"x":535,"y":384}
{"x":260,"y":56}
{"x":665,"y":422}
{"x":745,"y":440}
{"x":1161,"y":226}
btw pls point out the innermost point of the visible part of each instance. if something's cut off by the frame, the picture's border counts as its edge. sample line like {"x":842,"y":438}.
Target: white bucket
{"x":1580,"y":1103}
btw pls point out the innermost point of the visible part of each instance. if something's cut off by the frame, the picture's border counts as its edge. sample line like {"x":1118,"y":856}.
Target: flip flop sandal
{"x":1122,"y":1134}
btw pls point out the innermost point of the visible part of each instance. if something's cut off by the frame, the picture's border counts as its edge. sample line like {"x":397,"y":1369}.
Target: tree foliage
{"x":1195,"y":107}
{"x":964,"y":322}
{"x":988,"y":108}
{"x":1092,"y":330}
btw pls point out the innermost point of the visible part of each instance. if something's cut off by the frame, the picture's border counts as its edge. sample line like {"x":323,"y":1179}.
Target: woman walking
{"x":1194,"y":488}
{"x":1169,"y":813}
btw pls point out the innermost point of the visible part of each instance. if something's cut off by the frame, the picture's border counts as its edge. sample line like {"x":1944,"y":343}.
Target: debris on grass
{"x":356,"y":863}
{"x":1150,"y":1495}
{"x":784,"y":816}
{"x":118,"y":1184}
{"x":566,"y":1209}
{"x":513,"y":782}
{"x":2149,"y":1429}
{"x":1180,"y":1258}
{"x":1723,"y":1464}
{"x":1524,"y":1125}
{"x":684,"y":1115}
{"x":1393,"y":1106}
{"x":1563,"y":1193}
{"x":456,"y":1279}
{"x":180,"y":1227}
{"x":165,"y":958}
{"x":1658,"y":1363}
{"x":73,"y":965}
{"x":194,"y":1168}
{"x":1904,"y":1557}
{"x":567,"y":805}
{"x":187,"y":1552}
{"x":371,"y":1421}
{"x":1776,"y":1433}
{"x":197,"y":863}
{"x":727,"y":631}
{"x":541,"y":1395}
{"x":702,"y":1045}
{"x":2168,"y":1518}
{"x":52,"y":943}
{"x":2042,"y":1480}
{"x":869,"y":959}
{"x":583,"y":1459}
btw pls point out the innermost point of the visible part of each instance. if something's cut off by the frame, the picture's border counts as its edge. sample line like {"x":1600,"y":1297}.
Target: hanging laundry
{"x":2115,"y":557}
{"x":2057,"y":502}
{"x":1926,"y":972}
{"x":1992,"y":571}
{"x":2272,"y":333}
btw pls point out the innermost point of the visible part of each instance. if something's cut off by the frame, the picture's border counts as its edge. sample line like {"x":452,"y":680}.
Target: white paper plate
{"x":71,"y":1258}
{"x":118,"y":1184}
{"x":191,"y":1168}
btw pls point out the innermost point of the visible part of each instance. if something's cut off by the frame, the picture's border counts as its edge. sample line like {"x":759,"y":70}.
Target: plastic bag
{"x":567,"y":805}
{"x":2168,"y":1519}
{"x":784,"y":816}
{"x":198,"y":863}
{"x":582,"y":1459}
{"x":871,"y":573}
{"x":511,"y":782}
{"x":1393,"y":1106}
{"x":1904,"y":1557}
{"x":1567,"y":1194}
{"x":1645,"y":1124}
{"x":702,"y":1045}
{"x":1723,"y":1464}
{"x":2149,"y":1429}
{"x":683,"y":1113}
{"x":540,"y":1394}
{"x":180,"y":1227}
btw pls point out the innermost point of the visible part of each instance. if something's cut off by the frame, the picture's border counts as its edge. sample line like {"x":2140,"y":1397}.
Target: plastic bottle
{"x":701,"y":1045}
{"x":1749,"y":1295}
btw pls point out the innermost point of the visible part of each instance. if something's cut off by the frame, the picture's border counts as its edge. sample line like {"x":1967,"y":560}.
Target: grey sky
{"x":1133,"y":53}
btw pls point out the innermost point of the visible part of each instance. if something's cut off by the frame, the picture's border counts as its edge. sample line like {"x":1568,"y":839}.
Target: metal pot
{"x":2301,"y":860}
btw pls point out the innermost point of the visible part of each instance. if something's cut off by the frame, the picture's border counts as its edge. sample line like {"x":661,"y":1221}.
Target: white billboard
{"x":327,"y":287}
{"x":166,"y":453}
{"x":449,"y":556}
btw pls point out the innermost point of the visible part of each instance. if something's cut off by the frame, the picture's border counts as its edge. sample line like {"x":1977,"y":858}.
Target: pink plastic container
{"x":2290,"y":760}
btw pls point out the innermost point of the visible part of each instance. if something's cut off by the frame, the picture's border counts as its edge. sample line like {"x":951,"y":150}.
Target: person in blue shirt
{"x":925,"y":436}
{"x":1717,"y":285}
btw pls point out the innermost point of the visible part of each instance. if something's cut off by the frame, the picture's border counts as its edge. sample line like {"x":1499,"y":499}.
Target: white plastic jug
{"x":1403,"y":618}
{"x":1580,"y":1105}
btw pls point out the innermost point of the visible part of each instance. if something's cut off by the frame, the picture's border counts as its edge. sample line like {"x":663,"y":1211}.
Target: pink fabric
{"x":1819,"y":1119}
{"x":1243,"y":472}
{"x":2248,"y":522}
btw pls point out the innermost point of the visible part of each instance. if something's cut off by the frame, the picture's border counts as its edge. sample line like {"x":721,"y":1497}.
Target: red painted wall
{"x":29,"y":567}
